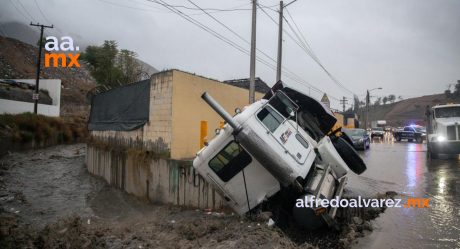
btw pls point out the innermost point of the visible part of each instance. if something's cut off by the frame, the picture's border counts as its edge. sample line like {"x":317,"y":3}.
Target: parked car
{"x":377,"y":132}
{"x":410,"y":133}
{"x":359,"y":138}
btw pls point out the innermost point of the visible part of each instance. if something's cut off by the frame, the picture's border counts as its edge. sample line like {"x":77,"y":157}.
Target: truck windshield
{"x":447,"y":112}
{"x":377,"y":129}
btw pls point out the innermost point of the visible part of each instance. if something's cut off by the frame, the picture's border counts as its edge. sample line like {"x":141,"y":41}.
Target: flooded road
{"x":39,"y":188}
{"x":404,"y":168}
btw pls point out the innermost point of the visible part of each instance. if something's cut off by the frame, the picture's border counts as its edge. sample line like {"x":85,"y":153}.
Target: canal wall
{"x":126,"y":165}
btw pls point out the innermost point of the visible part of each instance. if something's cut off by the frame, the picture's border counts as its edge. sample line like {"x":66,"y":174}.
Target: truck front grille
{"x":451,"y":132}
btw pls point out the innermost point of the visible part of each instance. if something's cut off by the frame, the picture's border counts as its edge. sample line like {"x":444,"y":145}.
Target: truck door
{"x":285,"y":133}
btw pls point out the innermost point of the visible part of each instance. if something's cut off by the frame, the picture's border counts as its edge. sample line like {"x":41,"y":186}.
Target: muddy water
{"x":404,"y":168}
{"x":45,"y":185}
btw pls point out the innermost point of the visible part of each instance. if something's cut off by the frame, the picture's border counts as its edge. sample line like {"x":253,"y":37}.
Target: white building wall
{"x":53,"y":86}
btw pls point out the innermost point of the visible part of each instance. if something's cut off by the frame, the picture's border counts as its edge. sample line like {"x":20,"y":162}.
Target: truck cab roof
{"x":445,"y":105}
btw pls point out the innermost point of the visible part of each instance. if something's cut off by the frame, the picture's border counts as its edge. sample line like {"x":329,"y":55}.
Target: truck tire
{"x":419,"y":140}
{"x":398,"y":138}
{"x":349,"y":155}
{"x":410,"y":140}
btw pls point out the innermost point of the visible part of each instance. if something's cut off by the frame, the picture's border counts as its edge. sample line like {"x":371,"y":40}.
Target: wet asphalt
{"x":403,"y":167}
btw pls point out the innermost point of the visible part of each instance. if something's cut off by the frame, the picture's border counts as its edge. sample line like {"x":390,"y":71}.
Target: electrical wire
{"x":18,"y":10}
{"x":232,"y":43}
{"x":305,"y":46}
{"x":41,"y":12}
{"x":25,"y":10}
{"x":311,"y":53}
{"x":295,"y":78}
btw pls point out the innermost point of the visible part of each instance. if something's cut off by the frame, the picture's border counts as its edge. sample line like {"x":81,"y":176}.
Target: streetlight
{"x":367,"y":104}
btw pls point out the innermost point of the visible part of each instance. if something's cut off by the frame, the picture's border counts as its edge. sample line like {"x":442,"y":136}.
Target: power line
{"x":242,"y":38}
{"x":288,"y":34}
{"x":187,"y":17}
{"x":41,"y":12}
{"x":129,"y":7}
{"x":18,"y":10}
{"x":25,"y":10}
{"x":303,"y":44}
{"x":310,"y":52}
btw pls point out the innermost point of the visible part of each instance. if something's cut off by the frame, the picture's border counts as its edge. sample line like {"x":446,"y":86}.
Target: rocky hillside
{"x":18,"y":61}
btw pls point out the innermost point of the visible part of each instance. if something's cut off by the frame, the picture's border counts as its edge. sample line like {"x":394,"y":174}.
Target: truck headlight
{"x":441,"y":138}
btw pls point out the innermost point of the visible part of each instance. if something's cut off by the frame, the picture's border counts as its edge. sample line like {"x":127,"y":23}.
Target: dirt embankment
{"x":48,"y":200}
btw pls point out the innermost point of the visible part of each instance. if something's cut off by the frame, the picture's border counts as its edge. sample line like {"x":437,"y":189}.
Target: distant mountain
{"x":408,"y":111}
{"x":21,"y":32}
{"x":147,"y":67}
{"x":30,"y":35}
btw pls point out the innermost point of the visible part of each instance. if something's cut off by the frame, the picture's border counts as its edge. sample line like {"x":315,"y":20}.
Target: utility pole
{"x":36,"y":95}
{"x":252,"y":69}
{"x":280,"y":43}
{"x":368,"y":100}
{"x":367,"y":108}
{"x":344,"y":101}
{"x":280,"y":40}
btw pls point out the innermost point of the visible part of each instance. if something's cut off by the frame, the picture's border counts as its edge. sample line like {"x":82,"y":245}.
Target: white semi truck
{"x":277,"y":151}
{"x":443,"y":130}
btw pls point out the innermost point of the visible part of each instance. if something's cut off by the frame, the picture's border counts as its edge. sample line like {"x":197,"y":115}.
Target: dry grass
{"x":28,"y":127}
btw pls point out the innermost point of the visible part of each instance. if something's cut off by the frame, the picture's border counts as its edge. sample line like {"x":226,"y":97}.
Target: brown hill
{"x":18,"y":61}
{"x":408,"y":111}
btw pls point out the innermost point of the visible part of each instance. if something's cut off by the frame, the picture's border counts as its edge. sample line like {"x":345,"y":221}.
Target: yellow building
{"x":348,"y":121}
{"x":175,"y":112}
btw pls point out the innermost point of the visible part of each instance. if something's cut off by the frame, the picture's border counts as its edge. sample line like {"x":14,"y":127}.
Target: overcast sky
{"x":409,"y":47}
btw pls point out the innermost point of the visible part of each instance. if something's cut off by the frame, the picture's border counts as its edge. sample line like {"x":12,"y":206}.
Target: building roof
{"x":261,"y":86}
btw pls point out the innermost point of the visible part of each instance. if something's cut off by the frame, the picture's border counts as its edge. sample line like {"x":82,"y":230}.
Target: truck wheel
{"x":410,"y":140}
{"x":419,"y":140}
{"x":398,"y":138}
{"x":349,"y":155}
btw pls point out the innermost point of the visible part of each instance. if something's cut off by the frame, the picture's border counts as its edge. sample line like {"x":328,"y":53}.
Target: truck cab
{"x":443,"y":130}
{"x":276,"y":148}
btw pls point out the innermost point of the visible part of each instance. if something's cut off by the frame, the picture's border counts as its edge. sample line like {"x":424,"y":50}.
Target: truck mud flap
{"x":349,"y":155}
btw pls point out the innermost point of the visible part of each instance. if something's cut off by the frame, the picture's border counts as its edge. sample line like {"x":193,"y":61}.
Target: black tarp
{"x":124,"y":108}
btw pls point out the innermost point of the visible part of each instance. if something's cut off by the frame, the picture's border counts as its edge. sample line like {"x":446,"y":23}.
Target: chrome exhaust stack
{"x":221,"y":111}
